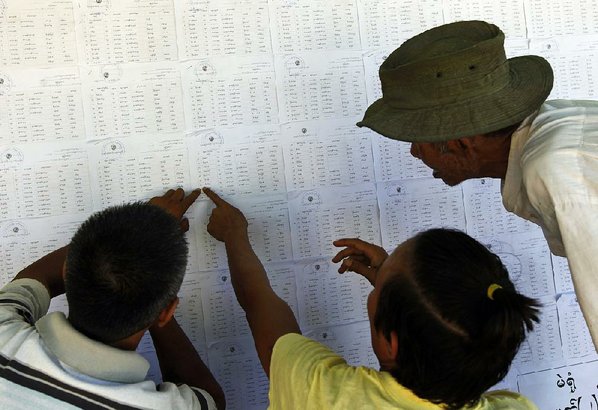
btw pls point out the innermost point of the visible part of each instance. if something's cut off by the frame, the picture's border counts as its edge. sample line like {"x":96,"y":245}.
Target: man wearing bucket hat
{"x":469,"y":112}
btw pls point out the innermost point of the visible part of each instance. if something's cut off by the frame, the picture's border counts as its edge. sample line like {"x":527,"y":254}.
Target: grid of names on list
{"x":104,"y":102}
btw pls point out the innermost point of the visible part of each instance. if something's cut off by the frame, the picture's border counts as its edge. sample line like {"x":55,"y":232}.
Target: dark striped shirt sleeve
{"x":24,"y":300}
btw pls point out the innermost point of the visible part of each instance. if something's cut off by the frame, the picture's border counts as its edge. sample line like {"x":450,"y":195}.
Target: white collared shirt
{"x":552,"y":180}
{"x":46,"y":364}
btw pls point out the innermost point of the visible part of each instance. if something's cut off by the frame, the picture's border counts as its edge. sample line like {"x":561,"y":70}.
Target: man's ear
{"x":167,"y":313}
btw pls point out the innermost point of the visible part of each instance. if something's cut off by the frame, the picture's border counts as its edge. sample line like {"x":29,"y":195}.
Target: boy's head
{"x":446,"y":319}
{"x":124,"y":266}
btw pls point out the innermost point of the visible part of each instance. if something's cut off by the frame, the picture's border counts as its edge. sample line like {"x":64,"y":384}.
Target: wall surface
{"x":107,"y":101}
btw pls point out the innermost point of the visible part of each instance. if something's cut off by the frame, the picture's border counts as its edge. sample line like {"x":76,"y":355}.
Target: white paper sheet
{"x":189,"y":313}
{"x":244,"y":160}
{"x":44,"y":180}
{"x":393,"y":161}
{"x":315,"y":86}
{"x":23,"y":241}
{"x":547,"y":18}
{"x":226,"y":27}
{"x":118,"y":31}
{"x":562,"y":276}
{"x":235,"y":365}
{"x":326,"y":153}
{"x":37,"y":33}
{"x":135,"y":169}
{"x":509,"y":15}
{"x":372,"y":61}
{"x":411,"y":206}
{"x":229,"y":92}
{"x":319,"y":217}
{"x":40,"y":106}
{"x":486,"y":216}
{"x":577,"y":342}
{"x":223,"y":317}
{"x":269,"y":231}
{"x":386,"y":24}
{"x":125,"y":100}
{"x":326,"y":298}
{"x":542,"y":347}
{"x":575,"y":76}
{"x":315,"y":25}
{"x":573,"y":387}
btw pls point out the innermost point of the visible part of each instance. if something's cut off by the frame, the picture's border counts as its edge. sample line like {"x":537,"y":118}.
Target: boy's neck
{"x":129,"y":343}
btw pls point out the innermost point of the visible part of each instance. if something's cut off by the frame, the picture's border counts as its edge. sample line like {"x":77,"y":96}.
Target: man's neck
{"x":496,"y":157}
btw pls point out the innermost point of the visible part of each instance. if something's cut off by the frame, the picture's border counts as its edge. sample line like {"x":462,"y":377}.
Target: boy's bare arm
{"x":48,"y":271}
{"x":180,"y":362}
{"x":269,"y":316}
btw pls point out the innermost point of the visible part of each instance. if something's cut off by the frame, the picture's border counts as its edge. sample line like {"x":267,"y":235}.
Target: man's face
{"x":450,"y":161}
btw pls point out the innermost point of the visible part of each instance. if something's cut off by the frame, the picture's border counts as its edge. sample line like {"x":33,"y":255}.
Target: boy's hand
{"x":176,"y":203}
{"x":226,"y":221}
{"x":360,"y":257}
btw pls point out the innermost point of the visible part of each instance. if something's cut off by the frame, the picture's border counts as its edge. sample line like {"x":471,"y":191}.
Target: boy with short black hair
{"x":122,"y":272}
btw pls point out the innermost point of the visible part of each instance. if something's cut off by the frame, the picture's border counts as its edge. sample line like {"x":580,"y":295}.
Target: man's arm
{"x":180,"y":362}
{"x":269,"y":316}
{"x":48,"y":270}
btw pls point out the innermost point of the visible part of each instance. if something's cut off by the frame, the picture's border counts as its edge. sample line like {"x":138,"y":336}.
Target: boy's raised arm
{"x":48,"y":271}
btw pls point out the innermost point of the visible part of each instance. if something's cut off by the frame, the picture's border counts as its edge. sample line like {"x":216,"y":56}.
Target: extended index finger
{"x":214,"y":197}
{"x":189,"y":199}
{"x":349,"y":251}
{"x":353,"y":242}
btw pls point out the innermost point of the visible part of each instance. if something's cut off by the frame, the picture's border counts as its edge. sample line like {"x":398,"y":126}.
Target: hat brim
{"x":530,"y":85}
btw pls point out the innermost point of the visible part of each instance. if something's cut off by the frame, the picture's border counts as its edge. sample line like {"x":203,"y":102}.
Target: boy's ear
{"x":167,"y":313}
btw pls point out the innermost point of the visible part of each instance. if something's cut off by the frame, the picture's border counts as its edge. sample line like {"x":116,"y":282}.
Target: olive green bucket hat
{"x":455,"y":81}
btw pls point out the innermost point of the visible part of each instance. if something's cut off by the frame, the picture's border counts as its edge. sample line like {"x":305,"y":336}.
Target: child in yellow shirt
{"x":446,"y":322}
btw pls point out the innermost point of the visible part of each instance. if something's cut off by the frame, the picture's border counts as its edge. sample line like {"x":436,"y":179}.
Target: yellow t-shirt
{"x":305,"y":374}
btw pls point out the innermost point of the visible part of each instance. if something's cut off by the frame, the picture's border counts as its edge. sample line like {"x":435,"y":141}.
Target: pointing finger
{"x":188,"y":201}
{"x":344,"y":253}
{"x":214,"y":197}
{"x":352,"y":242}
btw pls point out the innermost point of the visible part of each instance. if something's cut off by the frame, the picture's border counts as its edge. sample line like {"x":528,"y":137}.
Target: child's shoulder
{"x":503,"y":400}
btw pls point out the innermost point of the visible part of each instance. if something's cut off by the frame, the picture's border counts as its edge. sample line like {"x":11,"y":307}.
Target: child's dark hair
{"x":454,"y":341}
{"x":125,"y":264}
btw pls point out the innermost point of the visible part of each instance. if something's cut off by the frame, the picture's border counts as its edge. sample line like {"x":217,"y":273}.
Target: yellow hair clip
{"x":491,"y":289}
